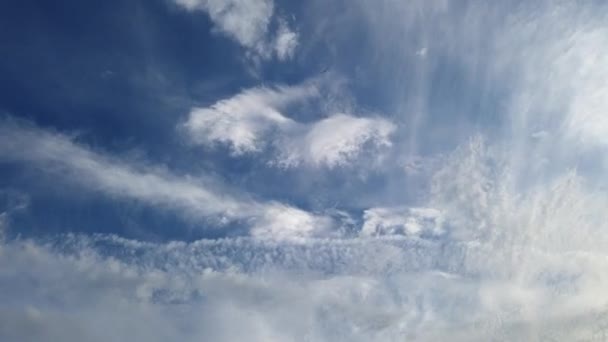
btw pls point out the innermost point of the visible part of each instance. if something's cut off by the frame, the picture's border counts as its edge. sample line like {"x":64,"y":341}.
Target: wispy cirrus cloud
{"x":193,"y":197}
{"x":561,"y":82}
{"x":254,"y":120}
{"x":248,"y":22}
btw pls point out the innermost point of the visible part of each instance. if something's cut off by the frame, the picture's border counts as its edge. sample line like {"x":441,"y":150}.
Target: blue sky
{"x":273,"y":170}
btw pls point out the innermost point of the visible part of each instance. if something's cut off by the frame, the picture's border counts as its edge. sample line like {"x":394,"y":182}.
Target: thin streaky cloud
{"x":191,"y":196}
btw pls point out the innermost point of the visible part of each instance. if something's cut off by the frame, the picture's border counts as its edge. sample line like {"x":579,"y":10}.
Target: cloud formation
{"x":508,"y":242}
{"x":248,"y":22}
{"x":334,"y":141}
{"x":505,"y":266}
{"x":561,"y":82}
{"x":195,"y":198}
{"x":402,"y":221}
{"x":379,"y":289}
{"x":253,"y":121}
{"x":244,"y":121}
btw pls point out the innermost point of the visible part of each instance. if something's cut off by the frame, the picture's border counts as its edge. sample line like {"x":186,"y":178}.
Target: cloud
{"x":286,"y":41}
{"x":402,"y":221}
{"x":505,"y":266}
{"x":561,"y":81}
{"x":335,"y":141}
{"x":483,"y":200}
{"x":284,"y":222}
{"x":193,"y":197}
{"x":253,"y":121}
{"x":322,"y":289}
{"x":556,"y":83}
{"x":243,"y":121}
{"x":499,"y":248}
{"x":248,"y":22}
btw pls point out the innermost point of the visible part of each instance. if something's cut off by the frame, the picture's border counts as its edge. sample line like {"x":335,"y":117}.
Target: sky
{"x":322,"y":170}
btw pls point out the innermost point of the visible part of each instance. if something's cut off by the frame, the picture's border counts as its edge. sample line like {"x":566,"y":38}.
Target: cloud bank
{"x":504,"y":267}
{"x":490,"y":262}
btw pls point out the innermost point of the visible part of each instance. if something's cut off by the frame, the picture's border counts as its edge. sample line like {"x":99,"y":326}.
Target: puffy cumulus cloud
{"x":284,"y":222}
{"x":248,"y":22}
{"x":194,"y":198}
{"x":245,"y":120}
{"x":253,"y":121}
{"x":335,"y":141}
{"x":402,"y":221}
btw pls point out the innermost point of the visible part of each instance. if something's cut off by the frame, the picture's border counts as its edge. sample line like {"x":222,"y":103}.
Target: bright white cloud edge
{"x":254,"y":120}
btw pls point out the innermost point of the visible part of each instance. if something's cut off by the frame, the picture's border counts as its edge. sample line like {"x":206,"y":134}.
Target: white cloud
{"x":402,"y":221}
{"x":335,"y":141}
{"x":247,"y":22}
{"x":244,"y":121}
{"x":560,"y":80}
{"x":520,"y":258}
{"x":195,"y":198}
{"x":286,"y":41}
{"x":284,"y":222}
{"x":322,"y":290}
{"x":253,"y":120}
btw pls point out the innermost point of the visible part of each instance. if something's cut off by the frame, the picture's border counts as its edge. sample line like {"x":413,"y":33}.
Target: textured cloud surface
{"x":252,"y":121}
{"x":506,"y":275}
{"x":394,"y":171}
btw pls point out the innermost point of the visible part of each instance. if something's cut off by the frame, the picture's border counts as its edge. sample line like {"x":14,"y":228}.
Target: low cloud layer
{"x":487,"y":263}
